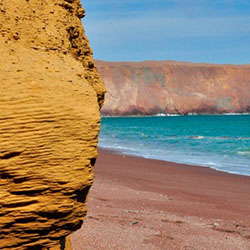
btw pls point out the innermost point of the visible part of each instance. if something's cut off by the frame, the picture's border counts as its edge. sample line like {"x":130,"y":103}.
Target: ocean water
{"x":221,"y":142}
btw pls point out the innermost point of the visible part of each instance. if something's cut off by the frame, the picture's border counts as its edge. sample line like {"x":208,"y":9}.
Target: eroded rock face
{"x":153,"y":87}
{"x":50,"y":97}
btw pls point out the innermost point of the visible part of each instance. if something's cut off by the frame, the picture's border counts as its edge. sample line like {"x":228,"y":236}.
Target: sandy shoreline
{"x":137,"y":203}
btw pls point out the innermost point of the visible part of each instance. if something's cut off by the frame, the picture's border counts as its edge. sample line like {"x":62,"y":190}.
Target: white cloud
{"x":166,"y":27}
{"x":161,"y":29}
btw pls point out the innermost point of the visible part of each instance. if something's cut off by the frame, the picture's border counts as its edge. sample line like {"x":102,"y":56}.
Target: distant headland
{"x":169,"y":87}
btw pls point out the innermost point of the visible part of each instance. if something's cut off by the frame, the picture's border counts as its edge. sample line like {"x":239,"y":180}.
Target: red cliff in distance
{"x":151,"y":87}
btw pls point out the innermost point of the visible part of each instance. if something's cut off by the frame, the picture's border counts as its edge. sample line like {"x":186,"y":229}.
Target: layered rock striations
{"x":50,"y":99}
{"x":153,"y":87}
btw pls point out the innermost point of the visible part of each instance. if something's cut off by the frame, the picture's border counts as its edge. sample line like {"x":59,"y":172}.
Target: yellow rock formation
{"x":50,"y":99}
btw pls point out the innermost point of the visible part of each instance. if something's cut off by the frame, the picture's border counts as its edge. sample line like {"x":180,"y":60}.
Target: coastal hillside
{"x":152,"y":87}
{"x":50,"y":100}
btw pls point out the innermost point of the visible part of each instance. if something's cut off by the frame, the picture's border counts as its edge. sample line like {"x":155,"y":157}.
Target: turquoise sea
{"x":221,"y":142}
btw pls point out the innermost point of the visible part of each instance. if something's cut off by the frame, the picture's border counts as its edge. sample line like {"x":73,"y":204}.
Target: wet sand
{"x":136,"y":203}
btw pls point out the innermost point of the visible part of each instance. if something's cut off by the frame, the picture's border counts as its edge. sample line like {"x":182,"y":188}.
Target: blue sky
{"x":215,"y":31}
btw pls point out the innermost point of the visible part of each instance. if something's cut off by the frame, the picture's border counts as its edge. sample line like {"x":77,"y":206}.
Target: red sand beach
{"x":136,"y":203}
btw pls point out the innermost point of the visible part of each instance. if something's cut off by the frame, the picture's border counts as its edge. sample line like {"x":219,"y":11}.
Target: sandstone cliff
{"x":153,"y":87}
{"x":50,"y":97}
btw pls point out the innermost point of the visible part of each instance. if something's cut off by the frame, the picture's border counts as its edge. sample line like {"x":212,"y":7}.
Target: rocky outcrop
{"x":153,"y":87}
{"x":50,"y":97}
